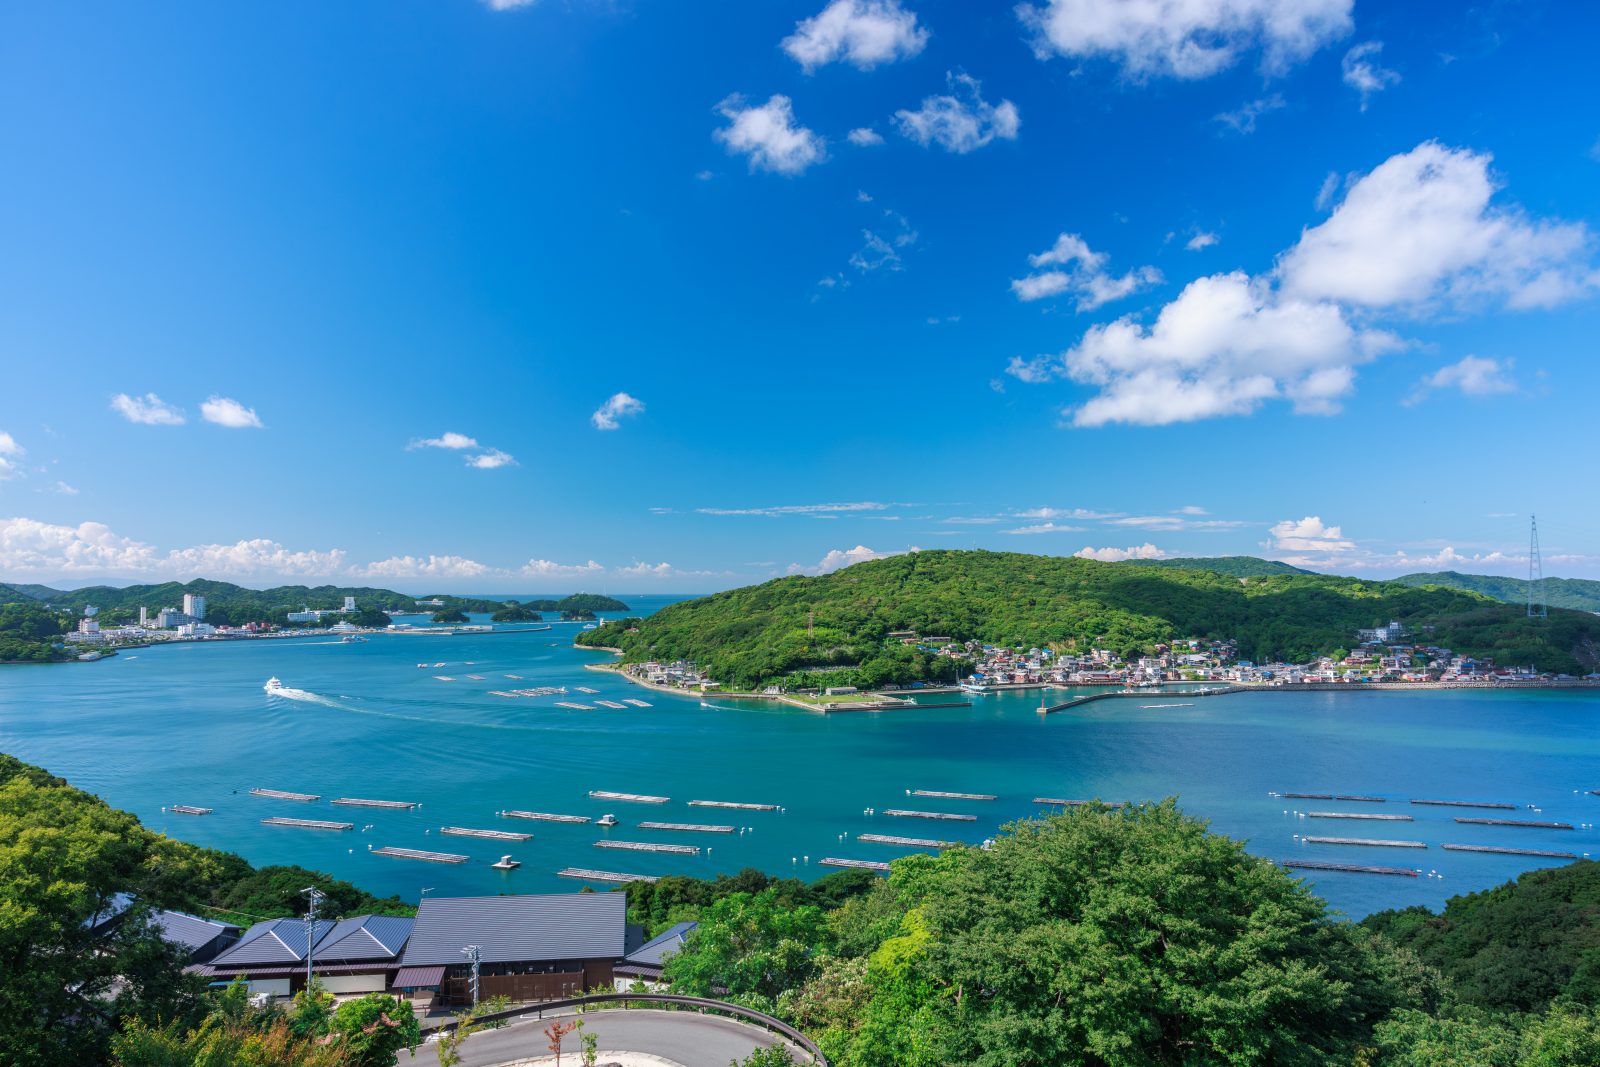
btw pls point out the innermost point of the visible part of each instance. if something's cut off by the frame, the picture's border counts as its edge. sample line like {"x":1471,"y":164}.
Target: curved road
{"x":686,"y":1037}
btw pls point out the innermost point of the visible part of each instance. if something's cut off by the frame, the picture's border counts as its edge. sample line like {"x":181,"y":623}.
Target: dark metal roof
{"x":511,"y":929}
{"x":278,"y":941}
{"x":654,"y":953}
{"x":100,"y":920}
{"x":190,"y":931}
{"x":418,"y":977}
{"x":365,"y":937}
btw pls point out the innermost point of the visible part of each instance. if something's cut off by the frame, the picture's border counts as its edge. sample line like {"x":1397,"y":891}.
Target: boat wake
{"x":303,"y":694}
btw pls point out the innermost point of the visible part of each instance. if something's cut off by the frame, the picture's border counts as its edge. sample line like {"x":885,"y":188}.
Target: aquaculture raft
{"x":1377,"y":842}
{"x":188,"y":809}
{"x":1526,"y":824}
{"x":1315,"y":865}
{"x":696,"y":827}
{"x":902,"y":813}
{"x":1352,"y":797}
{"x":732,"y":804}
{"x":650,"y":846}
{"x":278,"y":794}
{"x":357,"y":802}
{"x":309,"y":824}
{"x":1059,"y":802}
{"x":636,"y":798}
{"x":1354,"y":815}
{"x":544,"y":816}
{"x":1512,"y":851}
{"x":860,"y":865}
{"x":1465,"y":804}
{"x":603,"y":876}
{"x":912,"y":842}
{"x":419,"y":854}
{"x":498,"y":835}
{"x":952,"y":796}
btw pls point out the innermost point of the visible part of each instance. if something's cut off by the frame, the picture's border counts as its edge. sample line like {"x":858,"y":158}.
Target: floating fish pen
{"x":188,"y":809}
{"x":1373,"y":841}
{"x":636,"y":703}
{"x":278,"y":794}
{"x":1526,"y":824}
{"x":419,"y":854}
{"x":544,"y":816}
{"x":909,"y":842}
{"x":952,"y":796}
{"x":636,"y":798}
{"x":498,"y":835}
{"x":1059,"y":802}
{"x":732,"y":804}
{"x":358,"y":802}
{"x":1355,"y":868}
{"x":309,"y":824}
{"x":1466,"y":804}
{"x":902,"y":813}
{"x":612,"y":704}
{"x":857,"y":865}
{"x":650,"y":846}
{"x":693,"y":827}
{"x":1359,"y":815}
{"x":585,"y":689}
{"x":1512,"y":851}
{"x":1356,"y":798}
{"x":573,"y":707}
{"x":584,"y":874}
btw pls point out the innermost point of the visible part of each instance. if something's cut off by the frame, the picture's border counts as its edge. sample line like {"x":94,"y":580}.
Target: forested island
{"x":749,"y":637}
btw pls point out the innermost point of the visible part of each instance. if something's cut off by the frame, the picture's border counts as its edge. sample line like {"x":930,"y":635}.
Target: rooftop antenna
{"x":1538,"y":603}
{"x":316,"y":897}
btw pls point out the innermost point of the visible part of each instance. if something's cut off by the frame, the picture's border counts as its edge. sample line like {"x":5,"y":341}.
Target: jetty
{"x":1466,"y":804}
{"x":1526,"y":824}
{"x":634,"y":798}
{"x":952,"y":796}
{"x":1512,"y":851}
{"x":278,"y":794}
{"x":903,"y":813}
{"x":1059,"y":802}
{"x":1356,"y":868}
{"x":358,"y":802}
{"x":545,"y":816}
{"x":1352,"y":797}
{"x":309,"y":824}
{"x":587,"y":875}
{"x":1359,"y":815}
{"x":732,"y":804}
{"x":909,"y":842}
{"x":1373,"y":841}
{"x":497,"y":835}
{"x":420,"y":854}
{"x":188,"y":809}
{"x":693,"y":827}
{"x":858,"y":865}
{"x":650,"y":846}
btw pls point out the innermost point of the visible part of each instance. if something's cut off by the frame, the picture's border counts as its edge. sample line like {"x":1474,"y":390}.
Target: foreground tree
{"x":750,"y":948}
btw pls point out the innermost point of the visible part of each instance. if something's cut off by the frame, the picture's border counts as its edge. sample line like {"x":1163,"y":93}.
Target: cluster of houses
{"x":679,"y":674}
{"x":526,"y":947}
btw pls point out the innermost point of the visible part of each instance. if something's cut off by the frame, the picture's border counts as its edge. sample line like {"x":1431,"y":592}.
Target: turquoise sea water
{"x":190,"y":724}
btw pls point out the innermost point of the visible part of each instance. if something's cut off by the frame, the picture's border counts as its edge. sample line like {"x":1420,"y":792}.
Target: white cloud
{"x":1420,"y":229}
{"x":1330,"y":189}
{"x":544,"y":568}
{"x":663,"y":571}
{"x":798,"y":509}
{"x":1243,"y":119}
{"x":1117,"y":555}
{"x":1181,"y":520}
{"x":863,"y":33}
{"x":1191,"y":509}
{"x":1473,"y":375}
{"x":1065,"y":513}
{"x":884,"y":251}
{"x":426,"y":567}
{"x":492,"y":459}
{"x":960,"y":121}
{"x":703,"y":175}
{"x":1202,"y":239}
{"x":1185,"y":38}
{"x":149,"y":410}
{"x":1084,"y":276}
{"x":839,"y":558}
{"x":769,"y":136}
{"x":448,"y":439}
{"x":971,"y":520}
{"x":10,"y":452}
{"x":252,"y":557}
{"x":617,"y":406}
{"x":1044,"y":528}
{"x":226,"y":411}
{"x":864,"y":137}
{"x":508,"y":5}
{"x":1362,"y":73}
{"x":1309,"y":534}
{"x":30,"y":546}
{"x":61,"y":488}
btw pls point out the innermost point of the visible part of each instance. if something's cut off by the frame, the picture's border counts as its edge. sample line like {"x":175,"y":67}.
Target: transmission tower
{"x":1538,"y":605}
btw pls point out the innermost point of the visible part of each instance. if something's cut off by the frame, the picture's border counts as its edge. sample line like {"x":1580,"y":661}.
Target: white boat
{"x":606,"y":820}
{"x":352,"y":639}
{"x":273,"y":685}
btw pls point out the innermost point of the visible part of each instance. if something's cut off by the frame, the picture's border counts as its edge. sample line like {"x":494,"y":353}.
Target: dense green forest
{"x":30,"y":634}
{"x":750,"y":636}
{"x":1237,"y":566}
{"x":1580,"y":594}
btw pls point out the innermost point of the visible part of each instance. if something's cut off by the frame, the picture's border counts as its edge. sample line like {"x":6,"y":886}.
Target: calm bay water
{"x":190,"y":724}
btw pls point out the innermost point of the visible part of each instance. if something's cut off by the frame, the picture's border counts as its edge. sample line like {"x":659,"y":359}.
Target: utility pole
{"x":316,"y":897}
{"x":1538,"y":603}
{"x":473,"y":957}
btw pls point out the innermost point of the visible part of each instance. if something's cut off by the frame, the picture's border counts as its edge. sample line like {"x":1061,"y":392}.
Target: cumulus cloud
{"x":1201,"y":240}
{"x":864,"y":137}
{"x":10,"y":452}
{"x":60,"y":488}
{"x":617,"y":407}
{"x":484,"y":459}
{"x":226,"y":411}
{"x":769,"y":136}
{"x":1309,"y":534}
{"x":1078,"y":270}
{"x":426,"y":567}
{"x":1182,"y":519}
{"x":492,"y":459}
{"x":839,"y":558}
{"x":1362,"y":72}
{"x":1184,"y":38}
{"x":1472,"y":375}
{"x":1085,"y":514}
{"x":150,"y":410}
{"x":1421,"y":229}
{"x":544,"y":568}
{"x":862,"y":33}
{"x":1117,"y":555}
{"x":508,"y":5}
{"x":448,"y":439}
{"x":1243,"y":118}
{"x":961,"y":120}
{"x":255,"y":556}
{"x":33,"y":547}
{"x":1043,"y":528}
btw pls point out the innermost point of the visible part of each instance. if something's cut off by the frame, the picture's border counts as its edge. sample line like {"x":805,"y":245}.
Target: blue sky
{"x":649,"y":296}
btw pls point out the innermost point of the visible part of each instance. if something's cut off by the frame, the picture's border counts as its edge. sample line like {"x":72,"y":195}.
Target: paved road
{"x":689,"y":1038}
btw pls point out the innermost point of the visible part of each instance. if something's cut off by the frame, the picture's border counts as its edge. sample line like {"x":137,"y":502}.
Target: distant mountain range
{"x":1580,"y":594}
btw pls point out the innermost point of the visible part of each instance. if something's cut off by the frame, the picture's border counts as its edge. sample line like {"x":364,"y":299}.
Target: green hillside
{"x":1580,"y":594}
{"x":752,"y":635}
{"x":1236,"y":566}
